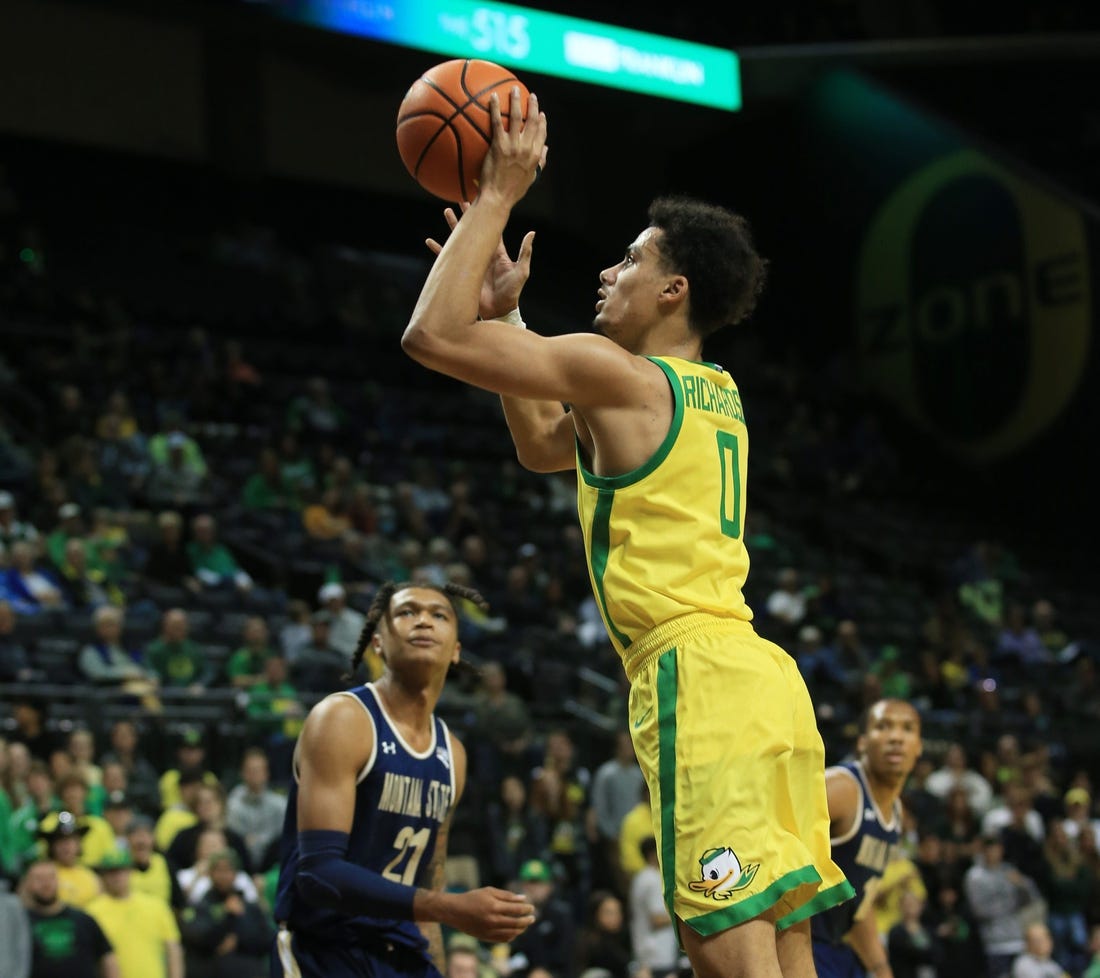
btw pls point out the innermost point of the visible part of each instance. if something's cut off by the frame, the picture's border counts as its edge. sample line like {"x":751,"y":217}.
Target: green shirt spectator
{"x":212,"y":562}
{"x":172,"y":437}
{"x":274,"y":704}
{"x":268,"y":488}
{"x":245,"y":667}
{"x":175,"y":657}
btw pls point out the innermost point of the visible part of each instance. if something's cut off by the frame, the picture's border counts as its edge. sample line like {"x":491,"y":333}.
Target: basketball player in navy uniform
{"x":864,"y":828}
{"x":376,"y":778}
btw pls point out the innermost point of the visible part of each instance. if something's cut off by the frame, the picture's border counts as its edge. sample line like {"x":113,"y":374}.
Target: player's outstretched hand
{"x":492,"y":915}
{"x":504,"y":278}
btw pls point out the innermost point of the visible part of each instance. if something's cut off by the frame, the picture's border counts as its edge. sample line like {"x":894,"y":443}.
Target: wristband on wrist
{"x":514,"y":318}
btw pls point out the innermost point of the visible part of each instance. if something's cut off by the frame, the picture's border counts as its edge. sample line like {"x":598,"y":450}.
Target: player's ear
{"x":457,"y":654}
{"x":675,"y":289}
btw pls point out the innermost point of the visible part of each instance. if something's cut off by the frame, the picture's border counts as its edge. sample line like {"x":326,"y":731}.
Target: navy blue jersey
{"x":401,"y":799}
{"x":863,"y":854}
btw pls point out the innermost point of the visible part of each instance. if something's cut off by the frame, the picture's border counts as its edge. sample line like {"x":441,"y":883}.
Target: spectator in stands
{"x":955,"y":771}
{"x":83,"y":587}
{"x":1037,"y":960}
{"x":141,"y":777}
{"x":180,"y":815}
{"x":786,"y":605}
{"x":314,"y":413}
{"x":176,"y":658}
{"x":295,"y":466}
{"x":212,"y":562}
{"x":1078,"y":814}
{"x":86,"y":484}
{"x":13,"y":530}
{"x":24,"y":821}
{"x":325,"y":516}
{"x":913,"y":950}
{"x":168,"y":562}
{"x":141,"y":928}
{"x":97,"y":834}
{"x":122,"y":458}
{"x":297,"y":632}
{"x":1015,"y":808}
{"x":173,"y":438}
{"x":15,"y":659}
{"x":194,"y":876}
{"x":67,"y":941}
{"x":226,"y":934}
{"x":151,"y":872}
{"x":636,"y":825}
{"x":504,"y":725}
{"x":653,"y":940}
{"x":996,"y":892}
{"x":616,"y":788}
{"x":267,"y":489}
{"x":559,"y":789}
{"x":1018,"y":642}
{"x":274,"y":715}
{"x":318,"y":666}
{"x":29,"y":586}
{"x":70,"y":526}
{"x":245,"y":667}
{"x":29,"y":714}
{"x":106,"y":661}
{"x":211,"y":812}
{"x":1044,"y":619}
{"x":602,"y":942}
{"x":902,"y":877}
{"x":550,"y":942}
{"x":255,"y":812}
{"x":117,"y":416}
{"x":82,"y":749}
{"x":118,"y":812}
{"x":190,"y":756}
{"x":79,"y":885}
{"x":1068,"y":882}
{"x":345,"y":623}
{"x":514,"y":833}
{"x":176,"y":482}
{"x":69,"y":418}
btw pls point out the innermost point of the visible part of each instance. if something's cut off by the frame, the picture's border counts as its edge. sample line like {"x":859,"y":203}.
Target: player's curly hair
{"x":380,"y":606}
{"x":713,"y":248}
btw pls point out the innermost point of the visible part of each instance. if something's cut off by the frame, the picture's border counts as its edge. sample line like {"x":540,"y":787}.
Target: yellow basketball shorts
{"x":726,"y":736}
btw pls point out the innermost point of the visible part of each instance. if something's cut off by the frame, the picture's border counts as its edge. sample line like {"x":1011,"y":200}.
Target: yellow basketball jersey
{"x":666,"y":539}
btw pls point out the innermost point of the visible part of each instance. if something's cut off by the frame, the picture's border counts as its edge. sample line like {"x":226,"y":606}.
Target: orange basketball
{"x":444,"y":128}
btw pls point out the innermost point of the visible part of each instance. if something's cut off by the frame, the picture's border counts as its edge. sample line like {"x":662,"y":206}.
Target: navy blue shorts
{"x":293,"y":957}
{"x":837,"y":961}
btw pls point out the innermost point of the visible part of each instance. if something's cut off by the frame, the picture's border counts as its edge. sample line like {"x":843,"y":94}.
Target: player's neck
{"x":409,"y":705}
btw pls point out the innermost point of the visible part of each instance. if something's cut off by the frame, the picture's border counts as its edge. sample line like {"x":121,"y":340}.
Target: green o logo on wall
{"x":973,"y":304}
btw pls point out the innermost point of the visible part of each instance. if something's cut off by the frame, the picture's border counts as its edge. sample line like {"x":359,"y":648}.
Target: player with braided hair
{"x":381,"y":603}
{"x":377,"y":776}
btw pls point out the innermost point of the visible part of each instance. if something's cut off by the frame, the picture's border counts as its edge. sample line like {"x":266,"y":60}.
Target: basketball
{"x":444,"y":127}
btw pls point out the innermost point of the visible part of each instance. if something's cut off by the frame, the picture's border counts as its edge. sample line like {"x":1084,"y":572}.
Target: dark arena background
{"x":209,"y":248}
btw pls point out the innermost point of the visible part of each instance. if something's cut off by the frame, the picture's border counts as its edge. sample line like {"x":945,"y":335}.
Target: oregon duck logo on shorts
{"x":723,"y":874}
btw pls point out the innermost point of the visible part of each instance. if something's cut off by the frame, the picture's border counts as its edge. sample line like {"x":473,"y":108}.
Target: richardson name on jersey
{"x":700,"y":393}
{"x":406,"y":795}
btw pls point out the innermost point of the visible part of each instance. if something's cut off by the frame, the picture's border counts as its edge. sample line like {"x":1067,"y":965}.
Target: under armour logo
{"x":389,"y":747}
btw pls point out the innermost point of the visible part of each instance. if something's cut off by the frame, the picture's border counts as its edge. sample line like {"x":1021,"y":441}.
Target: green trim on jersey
{"x":601,"y":545}
{"x":629,"y":478}
{"x":666,"y":770}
